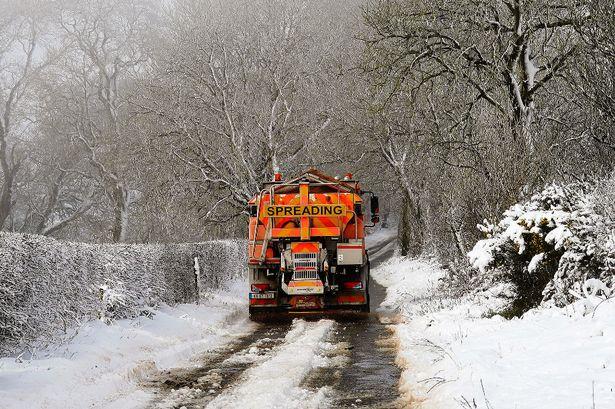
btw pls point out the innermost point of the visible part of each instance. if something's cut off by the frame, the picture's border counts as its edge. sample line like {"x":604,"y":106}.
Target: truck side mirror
{"x":374,"y":208}
{"x":358,"y":209}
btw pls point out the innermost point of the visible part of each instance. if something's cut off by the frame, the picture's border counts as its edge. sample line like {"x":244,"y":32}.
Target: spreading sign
{"x":304,"y":211}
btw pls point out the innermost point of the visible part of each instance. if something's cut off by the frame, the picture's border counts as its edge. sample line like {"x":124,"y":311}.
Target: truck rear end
{"x":306,"y":249}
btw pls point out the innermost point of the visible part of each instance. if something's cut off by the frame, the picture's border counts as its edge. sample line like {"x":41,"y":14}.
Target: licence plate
{"x":259,"y":296}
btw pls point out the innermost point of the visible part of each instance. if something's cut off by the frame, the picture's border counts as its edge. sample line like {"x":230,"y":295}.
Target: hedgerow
{"x":48,"y":287}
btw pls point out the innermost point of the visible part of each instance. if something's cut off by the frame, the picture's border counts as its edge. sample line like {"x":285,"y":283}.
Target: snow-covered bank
{"x":103,"y":365}
{"x":406,"y":283}
{"x":380,"y":242}
{"x":551,"y":358}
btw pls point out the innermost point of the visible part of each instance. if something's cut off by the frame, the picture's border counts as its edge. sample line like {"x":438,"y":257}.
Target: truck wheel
{"x":366,"y":308}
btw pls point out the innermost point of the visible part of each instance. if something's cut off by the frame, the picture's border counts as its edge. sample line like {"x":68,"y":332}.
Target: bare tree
{"x":235,"y":96}
{"x":592,"y":79}
{"x":18,"y":42}
{"x":55,"y":187}
{"x":161,"y":126}
{"x":107,"y":41}
{"x":507,"y":51}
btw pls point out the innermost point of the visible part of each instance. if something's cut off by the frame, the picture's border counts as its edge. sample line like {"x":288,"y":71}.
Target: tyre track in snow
{"x":215,"y":371}
{"x":261,"y":369}
{"x":275,"y":383}
{"x":371,"y":378}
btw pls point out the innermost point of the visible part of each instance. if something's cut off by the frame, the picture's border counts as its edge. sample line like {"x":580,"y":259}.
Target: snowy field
{"x":454,"y":357}
{"x":101,"y":367}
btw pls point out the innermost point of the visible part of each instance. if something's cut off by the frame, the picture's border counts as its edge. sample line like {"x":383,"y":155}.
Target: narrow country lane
{"x":342,"y":362}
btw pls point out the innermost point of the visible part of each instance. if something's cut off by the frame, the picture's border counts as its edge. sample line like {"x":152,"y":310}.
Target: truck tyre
{"x":366,"y":308}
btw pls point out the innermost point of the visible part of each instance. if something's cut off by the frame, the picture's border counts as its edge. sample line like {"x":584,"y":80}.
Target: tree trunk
{"x":410,"y":229}
{"x":8,"y":173}
{"x":121,"y":201}
{"x":5,"y":200}
{"x":459,"y":241}
{"x":403,"y":230}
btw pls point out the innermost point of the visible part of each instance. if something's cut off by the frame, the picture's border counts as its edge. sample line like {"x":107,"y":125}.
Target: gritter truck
{"x":306,"y":249}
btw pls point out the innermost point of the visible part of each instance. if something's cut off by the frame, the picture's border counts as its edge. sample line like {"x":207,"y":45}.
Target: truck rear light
{"x":352,"y":299}
{"x":257,"y":288}
{"x":264,"y":301}
{"x":352,"y":285}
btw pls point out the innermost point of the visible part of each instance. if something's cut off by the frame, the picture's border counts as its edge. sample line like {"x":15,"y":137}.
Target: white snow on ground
{"x":275,"y":382}
{"x":102,"y":365}
{"x":380,"y":236}
{"x":551,"y":358}
{"x":406,"y":283}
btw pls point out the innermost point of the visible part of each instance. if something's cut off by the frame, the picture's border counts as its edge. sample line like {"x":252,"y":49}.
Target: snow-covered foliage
{"x":549,"y":246}
{"x":48,"y":287}
{"x":455,"y":354}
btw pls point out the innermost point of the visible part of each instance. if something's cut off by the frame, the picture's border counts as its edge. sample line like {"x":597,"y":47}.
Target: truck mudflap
{"x":307,"y":302}
{"x":350,"y":299}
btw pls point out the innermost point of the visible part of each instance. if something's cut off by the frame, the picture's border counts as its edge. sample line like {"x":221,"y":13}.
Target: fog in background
{"x":147,"y":121}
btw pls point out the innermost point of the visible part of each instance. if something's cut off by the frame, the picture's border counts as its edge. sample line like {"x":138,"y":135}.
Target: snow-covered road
{"x":344,"y":363}
{"x":453,"y":351}
{"x":263,"y":369}
{"x":275,"y":383}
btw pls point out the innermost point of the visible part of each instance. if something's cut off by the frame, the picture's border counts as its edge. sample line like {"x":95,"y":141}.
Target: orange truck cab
{"x":306,"y":248}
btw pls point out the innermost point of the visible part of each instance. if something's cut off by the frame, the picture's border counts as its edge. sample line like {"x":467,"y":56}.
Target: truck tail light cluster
{"x":257,"y":288}
{"x":352,"y":285}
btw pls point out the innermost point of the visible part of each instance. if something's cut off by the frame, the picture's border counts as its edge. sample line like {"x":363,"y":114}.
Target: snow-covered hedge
{"x":549,"y":247}
{"x":49,"y":287}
